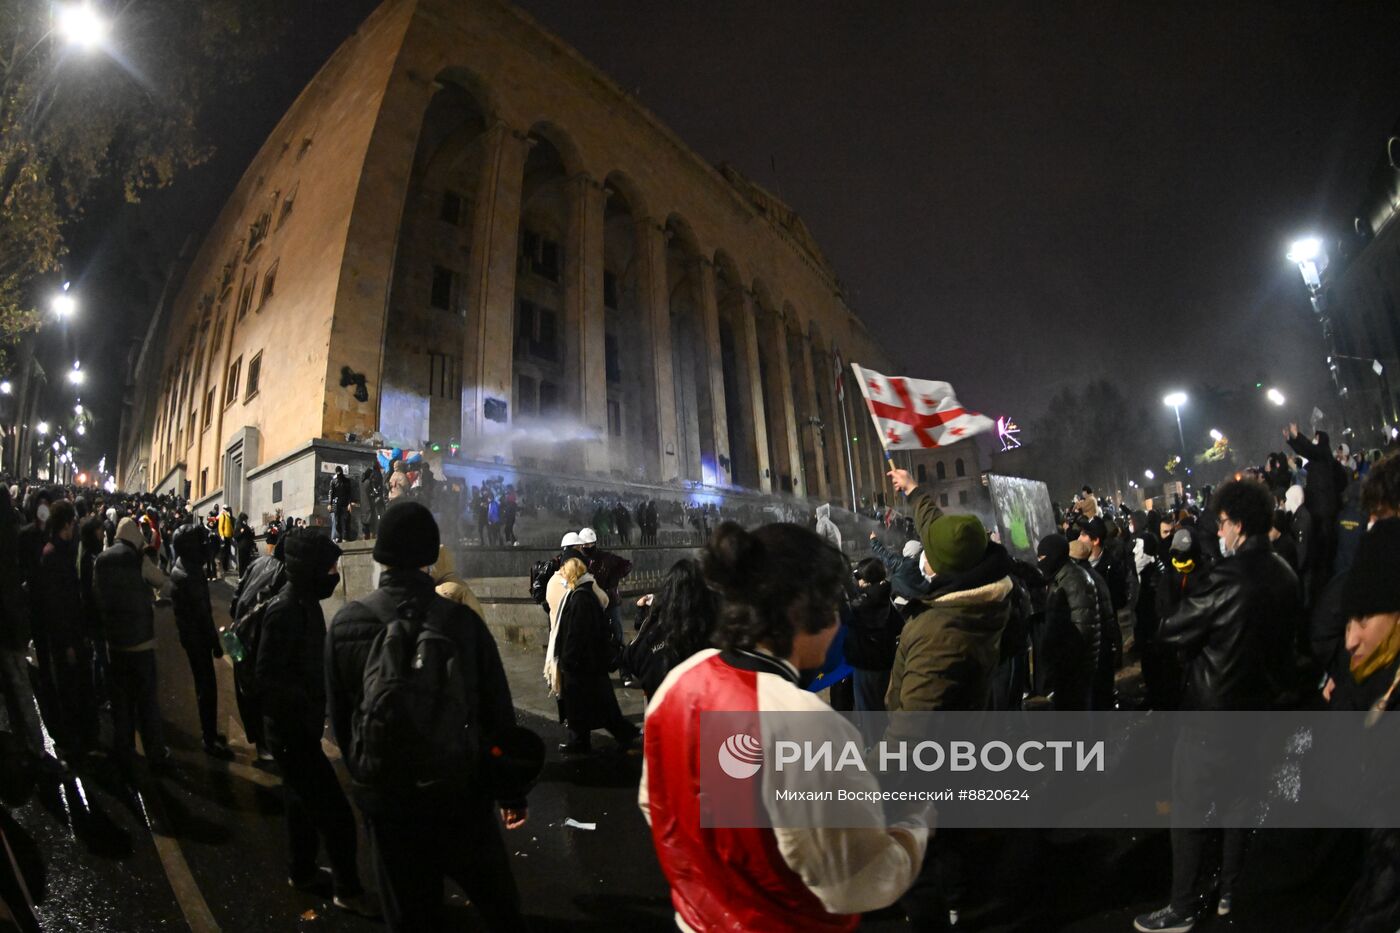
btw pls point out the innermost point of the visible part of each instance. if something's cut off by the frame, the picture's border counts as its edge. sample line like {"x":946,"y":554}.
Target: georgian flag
{"x":913,"y":414}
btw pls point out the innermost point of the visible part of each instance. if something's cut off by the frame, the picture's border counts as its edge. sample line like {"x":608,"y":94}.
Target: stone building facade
{"x":463,"y":236}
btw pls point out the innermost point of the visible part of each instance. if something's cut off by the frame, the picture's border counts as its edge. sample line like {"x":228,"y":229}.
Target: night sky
{"x":1018,"y":196}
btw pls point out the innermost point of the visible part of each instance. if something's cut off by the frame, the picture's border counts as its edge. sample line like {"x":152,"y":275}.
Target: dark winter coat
{"x":347,"y":645}
{"x":585,"y":650}
{"x":194,"y":616}
{"x":290,"y":665}
{"x":1326,"y":477}
{"x":123,"y":578}
{"x":60,"y":616}
{"x":1073,"y":634}
{"x":1237,"y":632}
{"x":608,"y":569}
{"x":341,"y":491}
{"x":873,"y":630}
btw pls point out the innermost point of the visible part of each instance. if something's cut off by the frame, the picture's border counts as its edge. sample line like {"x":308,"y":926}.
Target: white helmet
{"x":587,"y":536}
{"x":572,"y":539}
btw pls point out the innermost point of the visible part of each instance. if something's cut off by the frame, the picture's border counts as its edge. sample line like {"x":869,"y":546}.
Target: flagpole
{"x":889,"y":460}
{"x":850,"y":471}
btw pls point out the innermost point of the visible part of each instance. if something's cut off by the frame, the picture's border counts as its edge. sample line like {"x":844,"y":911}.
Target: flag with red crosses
{"x":916,"y":414}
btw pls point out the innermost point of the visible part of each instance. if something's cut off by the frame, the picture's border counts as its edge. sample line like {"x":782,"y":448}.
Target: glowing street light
{"x":64,"y":304}
{"x":82,"y":429}
{"x":1216,"y":435}
{"x":1276,"y":397}
{"x":1174,"y":401}
{"x":5,"y":387}
{"x":42,"y":427}
{"x":76,"y":374}
{"x":79,"y":24}
{"x":1149,"y":474}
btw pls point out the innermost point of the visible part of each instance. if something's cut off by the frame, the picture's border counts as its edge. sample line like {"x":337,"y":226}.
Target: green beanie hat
{"x":954,"y":543}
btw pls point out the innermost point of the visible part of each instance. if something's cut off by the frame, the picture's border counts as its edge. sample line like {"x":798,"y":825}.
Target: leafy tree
{"x":78,"y":125}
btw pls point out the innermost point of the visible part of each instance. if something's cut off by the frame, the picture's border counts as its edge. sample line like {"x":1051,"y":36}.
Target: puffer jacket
{"x":952,"y":641}
{"x":1237,"y":631}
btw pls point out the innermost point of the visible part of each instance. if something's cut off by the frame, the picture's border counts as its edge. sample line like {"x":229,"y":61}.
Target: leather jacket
{"x":1074,"y":599}
{"x":1236,"y":632}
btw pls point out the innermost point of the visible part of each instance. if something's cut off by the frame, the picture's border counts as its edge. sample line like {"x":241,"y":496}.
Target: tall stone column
{"x":488,"y":356}
{"x":783,"y":383}
{"x":654,"y":297}
{"x":586,"y":363}
{"x":749,"y":347}
{"x":808,"y":408}
{"x":714,"y":360}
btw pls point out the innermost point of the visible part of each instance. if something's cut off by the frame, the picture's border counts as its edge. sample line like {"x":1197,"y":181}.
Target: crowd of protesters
{"x":1278,"y":590}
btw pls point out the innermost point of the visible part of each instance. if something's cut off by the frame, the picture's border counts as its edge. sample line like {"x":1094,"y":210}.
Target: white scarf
{"x":552,"y":675}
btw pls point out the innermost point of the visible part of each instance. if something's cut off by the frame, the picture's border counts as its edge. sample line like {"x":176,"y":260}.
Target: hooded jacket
{"x":451,"y":586}
{"x":123,"y":577}
{"x":873,"y":631}
{"x":952,"y":641}
{"x":826,"y":527}
{"x":289,"y":666}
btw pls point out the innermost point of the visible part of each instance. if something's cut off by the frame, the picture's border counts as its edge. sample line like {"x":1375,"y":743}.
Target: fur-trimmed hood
{"x":993,"y":592}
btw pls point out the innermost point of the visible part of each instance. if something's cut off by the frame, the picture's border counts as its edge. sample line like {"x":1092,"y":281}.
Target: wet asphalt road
{"x":202,"y":848}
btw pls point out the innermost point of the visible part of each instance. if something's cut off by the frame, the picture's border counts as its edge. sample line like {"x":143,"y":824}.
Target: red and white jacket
{"x":757,"y":879}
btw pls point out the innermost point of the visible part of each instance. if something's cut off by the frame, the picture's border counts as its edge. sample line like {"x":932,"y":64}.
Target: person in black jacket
{"x":872,"y":635}
{"x":341,"y":496}
{"x":1236,"y":637}
{"x":291,"y":686}
{"x":194,"y":619}
{"x":672,"y":624}
{"x":585,"y":649}
{"x":1323,"y":499}
{"x":907,"y":581}
{"x":245,"y":543}
{"x":258,"y":586}
{"x":1069,"y":641}
{"x":15,"y":634}
{"x":423,"y":835}
{"x":122,"y":579}
{"x":61,"y":626}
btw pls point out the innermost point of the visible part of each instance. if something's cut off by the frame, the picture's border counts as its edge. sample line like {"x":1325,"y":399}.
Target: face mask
{"x":43,"y":513}
{"x":1227,"y":551}
{"x":325,"y":587}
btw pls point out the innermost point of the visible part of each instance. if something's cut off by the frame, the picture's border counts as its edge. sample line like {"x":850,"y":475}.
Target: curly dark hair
{"x":1381,"y":490}
{"x":764,"y":574}
{"x":1248,"y":502}
{"x":685,"y":608}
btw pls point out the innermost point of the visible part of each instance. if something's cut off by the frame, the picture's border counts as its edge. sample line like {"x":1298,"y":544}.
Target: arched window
{"x":959,"y":468}
{"x":941,"y":469}
{"x":923,"y":474}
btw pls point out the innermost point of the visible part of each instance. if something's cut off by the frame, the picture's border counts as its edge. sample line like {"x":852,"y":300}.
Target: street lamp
{"x":1276,"y":397}
{"x":64,"y":304}
{"x":1216,"y":435}
{"x":76,"y":375}
{"x":79,"y":24}
{"x":42,"y":427}
{"x":1174,"y":401}
{"x":5,"y":387}
{"x":1149,"y":474}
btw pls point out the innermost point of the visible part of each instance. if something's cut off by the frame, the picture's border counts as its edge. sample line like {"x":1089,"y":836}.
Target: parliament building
{"x":464,"y":239}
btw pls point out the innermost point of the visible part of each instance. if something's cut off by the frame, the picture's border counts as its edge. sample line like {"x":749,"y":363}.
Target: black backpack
{"x":540,"y":572}
{"x":415,"y":727}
